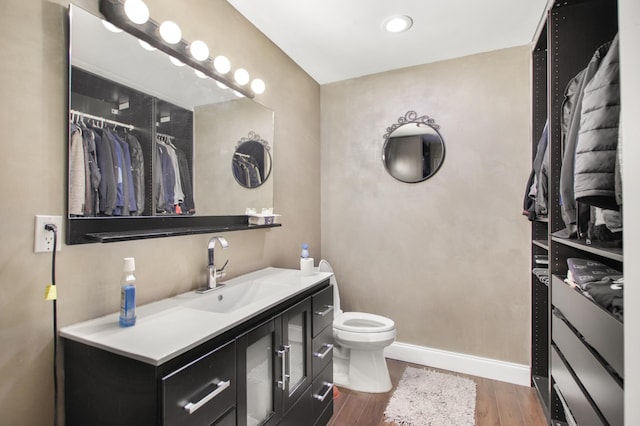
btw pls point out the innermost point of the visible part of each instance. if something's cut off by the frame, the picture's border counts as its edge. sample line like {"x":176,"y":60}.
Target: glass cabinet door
{"x":259,"y":399}
{"x":296,"y":329}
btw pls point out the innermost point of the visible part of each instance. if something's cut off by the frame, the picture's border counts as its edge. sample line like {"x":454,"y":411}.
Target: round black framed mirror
{"x":413,"y":148}
{"x":251,"y":163}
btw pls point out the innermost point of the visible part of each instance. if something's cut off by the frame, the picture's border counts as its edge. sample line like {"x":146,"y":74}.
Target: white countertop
{"x":170,"y":327}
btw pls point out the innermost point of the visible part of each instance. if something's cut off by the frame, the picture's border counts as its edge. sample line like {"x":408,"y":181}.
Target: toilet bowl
{"x":359,"y":342}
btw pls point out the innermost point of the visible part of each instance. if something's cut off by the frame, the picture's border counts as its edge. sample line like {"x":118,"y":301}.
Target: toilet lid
{"x":363,"y":322}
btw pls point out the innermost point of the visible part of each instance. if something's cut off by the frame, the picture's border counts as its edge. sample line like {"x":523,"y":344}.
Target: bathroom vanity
{"x":256,"y":351}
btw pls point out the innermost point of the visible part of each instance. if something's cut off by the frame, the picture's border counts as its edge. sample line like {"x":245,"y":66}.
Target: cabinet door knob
{"x":192,"y":407}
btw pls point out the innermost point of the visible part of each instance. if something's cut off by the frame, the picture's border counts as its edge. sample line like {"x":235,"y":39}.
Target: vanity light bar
{"x":149,"y":31}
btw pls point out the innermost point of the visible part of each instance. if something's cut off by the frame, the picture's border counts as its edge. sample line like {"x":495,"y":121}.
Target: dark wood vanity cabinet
{"x":576,"y":345}
{"x":269,"y":370}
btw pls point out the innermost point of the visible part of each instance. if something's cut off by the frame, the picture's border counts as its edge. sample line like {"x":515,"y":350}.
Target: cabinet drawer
{"x":202,"y":391}
{"x":601,"y":330}
{"x":322,"y":307}
{"x":582,"y":410}
{"x":325,"y":417}
{"x":322,"y":391}
{"x":600,"y":385}
{"x":322,"y":350}
{"x":301,"y":412}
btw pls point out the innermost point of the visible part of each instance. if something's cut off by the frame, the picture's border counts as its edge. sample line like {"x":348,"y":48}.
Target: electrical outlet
{"x":43,"y":239}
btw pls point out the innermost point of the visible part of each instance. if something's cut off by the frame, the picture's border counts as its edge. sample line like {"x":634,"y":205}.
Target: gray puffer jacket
{"x":570,"y":126}
{"x":596,"y":149}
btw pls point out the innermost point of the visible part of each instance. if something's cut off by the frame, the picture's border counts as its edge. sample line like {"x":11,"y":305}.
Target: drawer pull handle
{"x":328,"y":309}
{"x":328,"y":347}
{"x":193,"y":407}
{"x":322,"y":397}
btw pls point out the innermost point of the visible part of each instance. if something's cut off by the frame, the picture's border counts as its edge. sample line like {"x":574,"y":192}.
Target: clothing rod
{"x":242,"y":155}
{"x":163,"y":135}
{"x":102,"y":119}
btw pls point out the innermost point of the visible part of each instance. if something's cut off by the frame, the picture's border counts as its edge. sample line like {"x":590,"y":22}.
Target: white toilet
{"x":359,"y":341}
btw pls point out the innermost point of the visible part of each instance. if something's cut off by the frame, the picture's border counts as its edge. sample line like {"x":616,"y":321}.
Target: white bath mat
{"x":429,"y":398}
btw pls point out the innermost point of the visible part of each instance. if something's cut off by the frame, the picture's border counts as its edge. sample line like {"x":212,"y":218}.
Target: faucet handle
{"x":223,"y":266}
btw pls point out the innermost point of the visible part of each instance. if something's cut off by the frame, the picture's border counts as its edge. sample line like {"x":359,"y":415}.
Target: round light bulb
{"x":170,"y":32}
{"x":222,"y":64}
{"x":176,"y":62}
{"x":199,"y":50}
{"x":258,"y":86}
{"x":136,"y":11}
{"x":200,"y":74}
{"x":146,"y":45}
{"x":398,"y":24}
{"x":108,"y":25}
{"x":221,"y":85}
{"x":241,"y":76}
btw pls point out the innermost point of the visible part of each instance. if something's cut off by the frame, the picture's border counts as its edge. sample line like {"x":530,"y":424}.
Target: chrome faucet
{"x":214,"y":274}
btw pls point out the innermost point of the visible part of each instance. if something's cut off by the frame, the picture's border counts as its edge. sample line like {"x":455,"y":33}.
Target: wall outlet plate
{"x":43,"y":239}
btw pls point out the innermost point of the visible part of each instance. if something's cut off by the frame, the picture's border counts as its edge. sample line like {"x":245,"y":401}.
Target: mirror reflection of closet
{"x":251,"y":162}
{"x":413,"y":150}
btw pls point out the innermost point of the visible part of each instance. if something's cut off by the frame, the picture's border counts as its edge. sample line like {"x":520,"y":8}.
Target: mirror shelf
{"x":103,"y":230}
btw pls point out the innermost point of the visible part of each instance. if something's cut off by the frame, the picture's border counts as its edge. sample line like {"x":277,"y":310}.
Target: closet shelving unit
{"x":576,"y":345}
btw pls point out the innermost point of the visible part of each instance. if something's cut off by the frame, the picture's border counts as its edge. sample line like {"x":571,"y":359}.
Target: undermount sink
{"x":232,"y":297}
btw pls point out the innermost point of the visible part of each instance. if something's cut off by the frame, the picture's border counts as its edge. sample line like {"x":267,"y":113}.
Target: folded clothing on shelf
{"x":604,"y":285}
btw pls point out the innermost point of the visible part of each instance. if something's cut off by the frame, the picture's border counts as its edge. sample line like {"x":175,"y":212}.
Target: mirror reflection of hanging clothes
{"x":174,"y":192}
{"x":102,"y":171}
{"x":125,"y":194}
{"x":77,"y":180}
{"x":137,"y":172}
{"x":164,"y":180}
{"x":246,"y":170}
{"x":189,"y":205}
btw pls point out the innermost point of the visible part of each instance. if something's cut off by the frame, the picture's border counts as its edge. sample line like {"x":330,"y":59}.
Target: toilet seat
{"x":362,"y":322}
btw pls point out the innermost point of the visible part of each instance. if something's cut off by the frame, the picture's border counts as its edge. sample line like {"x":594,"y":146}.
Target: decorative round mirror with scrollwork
{"x":251,"y":163}
{"x":413,"y":148}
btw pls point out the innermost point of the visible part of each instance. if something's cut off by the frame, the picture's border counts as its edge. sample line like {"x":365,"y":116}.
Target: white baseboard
{"x":461,"y":363}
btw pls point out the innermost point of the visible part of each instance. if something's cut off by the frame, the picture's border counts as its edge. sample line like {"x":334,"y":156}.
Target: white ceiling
{"x":334,"y":40}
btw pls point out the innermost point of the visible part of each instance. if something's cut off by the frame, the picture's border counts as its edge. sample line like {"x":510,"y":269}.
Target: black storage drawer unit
{"x":202,"y":390}
{"x":582,"y":410}
{"x":603,"y":389}
{"x":322,"y":350}
{"x":322,"y":308}
{"x":598,"y":328}
{"x":323,"y":391}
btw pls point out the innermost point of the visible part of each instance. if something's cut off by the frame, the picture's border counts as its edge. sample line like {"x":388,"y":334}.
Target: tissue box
{"x":263,"y":219}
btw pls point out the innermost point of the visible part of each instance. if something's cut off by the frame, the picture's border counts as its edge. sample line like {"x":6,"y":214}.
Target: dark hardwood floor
{"x":497,"y":403}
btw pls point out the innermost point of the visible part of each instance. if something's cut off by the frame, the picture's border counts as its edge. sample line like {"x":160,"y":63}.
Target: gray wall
{"x":447,"y":258}
{"x":32,"y":181}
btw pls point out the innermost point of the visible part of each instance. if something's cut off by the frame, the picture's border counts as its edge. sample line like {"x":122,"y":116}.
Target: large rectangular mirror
{"x":182,"y":146}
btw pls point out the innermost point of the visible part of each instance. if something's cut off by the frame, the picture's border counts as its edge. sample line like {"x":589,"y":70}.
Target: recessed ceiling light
{"x":398,"y":24}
